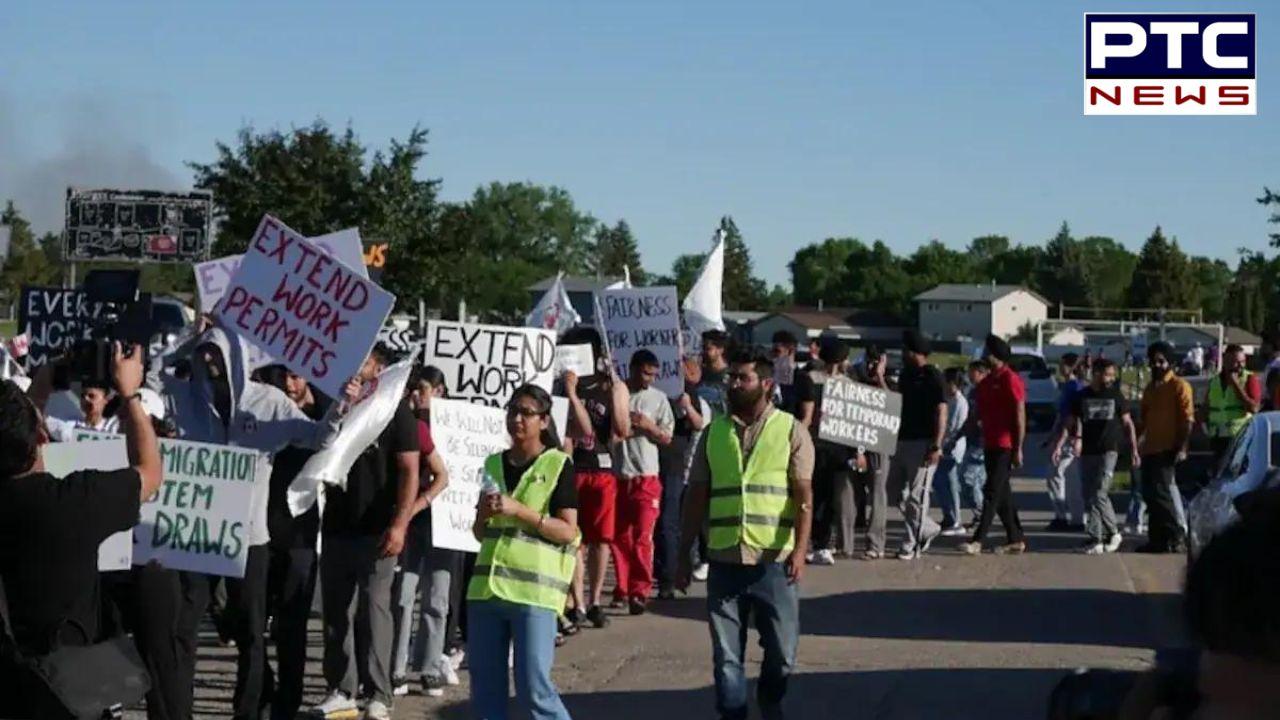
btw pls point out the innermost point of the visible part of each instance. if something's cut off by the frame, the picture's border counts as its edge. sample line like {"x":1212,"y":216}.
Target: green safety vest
{"x":751,"y":506}
{"x":1227,"y":415}
{"x":515,"y":563}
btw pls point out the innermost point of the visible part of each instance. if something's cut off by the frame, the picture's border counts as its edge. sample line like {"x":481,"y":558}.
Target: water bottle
{"x":489,"y":485}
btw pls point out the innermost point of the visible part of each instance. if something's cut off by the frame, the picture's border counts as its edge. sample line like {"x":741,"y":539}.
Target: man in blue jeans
{"x":751,"y":478}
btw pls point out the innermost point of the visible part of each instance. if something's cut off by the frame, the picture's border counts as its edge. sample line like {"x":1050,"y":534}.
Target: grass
{"x":8,"y":328}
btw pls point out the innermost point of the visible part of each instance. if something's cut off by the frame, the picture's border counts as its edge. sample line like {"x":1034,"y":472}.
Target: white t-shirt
{"x":65,"y":430}
{"x":638,"y":455}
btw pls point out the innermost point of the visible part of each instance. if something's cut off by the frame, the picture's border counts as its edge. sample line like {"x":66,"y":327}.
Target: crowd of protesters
{"x":729,"y":483}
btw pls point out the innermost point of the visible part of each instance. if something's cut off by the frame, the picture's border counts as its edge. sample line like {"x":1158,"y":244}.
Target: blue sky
{"x":896,"y":121}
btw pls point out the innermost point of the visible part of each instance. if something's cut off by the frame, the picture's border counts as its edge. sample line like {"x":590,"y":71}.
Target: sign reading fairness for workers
{"x":859,"y":415}
{"x":312,"y":312}
{"x":465,"y":434}
{"x":649,"y":318}
{"x":486,"y":363}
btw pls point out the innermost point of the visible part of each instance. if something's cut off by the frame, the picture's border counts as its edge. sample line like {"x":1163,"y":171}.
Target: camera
{"x":123,"y":315}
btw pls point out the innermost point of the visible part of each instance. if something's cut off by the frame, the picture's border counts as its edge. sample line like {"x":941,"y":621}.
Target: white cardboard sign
{"x":486,"y":363}
{"x":317,"y":315}
{"x":213,"y":277}
{"x":465,"y":434}
{"x":636,"y":318}
{"x":578,"y":359}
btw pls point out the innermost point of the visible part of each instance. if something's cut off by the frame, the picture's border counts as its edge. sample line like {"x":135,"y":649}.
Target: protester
{"x":973,"y":470}
{"x":785,"y":370}
{"x":363,"y":532}
{"x":600,"y":415}
{"x":292,"y":562}
{"x":1231,"y":399}
{"x":50,"y":530}
{"x":1168,"y":417}
{"x":1003,"y":415}
{"x":714,"y":387}
{"x":527,"y":523}
{"x":1065,"y":494}
{"x":219,"y":404}
{"x":692,"y":414}
{"x":751,"y":478}
{"x":425,"y":570}
{"x":94,"y":396}
{"x":639,"y":483}
{"x":920,"y":437}
{"x":831,"y":471}
{"x":871,"y":472}
{"x":954,"y":448}
{"x":1099,"y":424}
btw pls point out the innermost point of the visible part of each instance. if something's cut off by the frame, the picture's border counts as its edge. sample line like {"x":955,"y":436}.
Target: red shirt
{"x":999,"y":396}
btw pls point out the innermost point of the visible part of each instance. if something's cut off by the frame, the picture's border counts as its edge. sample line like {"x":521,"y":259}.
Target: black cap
{"x":998,"y":348}
{"x":913,"y":341}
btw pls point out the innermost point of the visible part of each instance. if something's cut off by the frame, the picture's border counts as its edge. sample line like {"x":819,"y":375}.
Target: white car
{"x":1252,"y":463}
{"x":1042,"y":389}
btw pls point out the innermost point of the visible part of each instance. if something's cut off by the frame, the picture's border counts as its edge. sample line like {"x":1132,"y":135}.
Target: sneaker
{"x":433,"y":685}
{"x":450,"y":675}
{"x":458,"y":657}
{"x":597,"y":617}
{"x":377,"y":711}
{"x":907,"y":555}
{"x":1058,"y":525}
{"x":928,"y":542}
{"x":700,"y":573}
{"x":970,"y":548}
{"x":872,"y":555}
{"x":399,"y":686}
{"x":1012,"y":548}
{"x":824,"y":557}
{"x":636,"y":606}
{"x":808,"y":558}
{"x":954,"y":531}
{"x":337,"y":706}
{"x":666,"y":594}
{"x":1113,"y":545}
{"x":1094,"y":549}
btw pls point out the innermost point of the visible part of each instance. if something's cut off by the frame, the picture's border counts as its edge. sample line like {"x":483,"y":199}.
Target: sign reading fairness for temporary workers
{"x":649,"y":318}
{"x":465,"y":434}
{"x":860,"y":416}
{"x":315,"y":314}
{"x":486,"y":363}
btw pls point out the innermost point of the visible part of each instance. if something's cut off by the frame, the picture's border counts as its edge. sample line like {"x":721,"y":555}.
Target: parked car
{"x":1042,"y":389}
{"x":1252,"y":463}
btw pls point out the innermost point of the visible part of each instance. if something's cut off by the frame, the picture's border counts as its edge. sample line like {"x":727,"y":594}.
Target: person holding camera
{"x":50,"y":530}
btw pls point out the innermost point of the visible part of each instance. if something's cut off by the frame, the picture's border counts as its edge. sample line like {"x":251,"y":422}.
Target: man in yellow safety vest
{"x":751,"y":485}
{"x":1232,"y":398}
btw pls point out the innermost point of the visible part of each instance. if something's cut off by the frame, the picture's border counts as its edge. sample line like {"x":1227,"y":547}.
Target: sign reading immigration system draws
{"x":648,"y":318}
{"x":315,"y":314}
{"x":486,"y":363}
{"x":860,"y":416}
{"x":465,"y":434}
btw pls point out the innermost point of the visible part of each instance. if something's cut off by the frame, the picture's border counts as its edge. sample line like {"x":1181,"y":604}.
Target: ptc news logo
{"x":1170,"y":64}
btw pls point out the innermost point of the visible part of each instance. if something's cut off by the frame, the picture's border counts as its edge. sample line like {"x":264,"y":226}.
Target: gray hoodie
{"x":262,"y":416}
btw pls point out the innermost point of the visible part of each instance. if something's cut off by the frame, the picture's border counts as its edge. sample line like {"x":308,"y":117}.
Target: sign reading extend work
{"x":486,"y":363}
{"x":860,"y":416}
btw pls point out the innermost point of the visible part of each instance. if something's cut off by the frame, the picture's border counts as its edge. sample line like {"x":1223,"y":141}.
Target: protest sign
{"x":486,"y":363}
{"x":859,"y":415}
{"x":577,"y":359}
{"x":318,"y":316}
{"x":201,"y":518}
{"x":649,"y":318}
{"x":54,"y":319}
{"x":465,"y":434}
{"x":213,"y":277}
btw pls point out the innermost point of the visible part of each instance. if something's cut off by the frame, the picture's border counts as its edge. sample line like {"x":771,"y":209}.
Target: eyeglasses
{"x":524,"y":412}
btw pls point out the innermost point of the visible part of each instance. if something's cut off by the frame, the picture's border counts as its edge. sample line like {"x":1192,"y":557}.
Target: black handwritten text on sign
{"x":486,"y":363}
{"x":859,"y":415}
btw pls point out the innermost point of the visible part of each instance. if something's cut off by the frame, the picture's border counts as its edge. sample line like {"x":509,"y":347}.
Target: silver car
{"x":1252,"y":463}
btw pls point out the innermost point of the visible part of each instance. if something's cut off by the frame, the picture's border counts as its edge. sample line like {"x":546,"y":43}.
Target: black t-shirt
{"x":1102,"y":414}
{"x":286,"y":530}
{"x":368,"y":504}
{"x":564,"y":497}
{"x":805,"y":390}
{"x":923,"y":390}
{"x":597,"y":396}
{"x":50,"y":530}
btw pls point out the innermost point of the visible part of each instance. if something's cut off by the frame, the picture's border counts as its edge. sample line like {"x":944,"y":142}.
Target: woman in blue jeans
{"x":527,"y":524}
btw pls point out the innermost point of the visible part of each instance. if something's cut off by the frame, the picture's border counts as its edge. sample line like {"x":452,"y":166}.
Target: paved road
{"x":949,"y":637}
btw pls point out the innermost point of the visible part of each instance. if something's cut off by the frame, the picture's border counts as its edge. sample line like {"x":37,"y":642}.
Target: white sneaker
{"x":450,"y":674}
{"x":1113,"y":545}
{"x":457,"y":658}
{"x":399,"y":686}
{"x":338,"y":706}
{"x":700,"y":573}
{"x":377,"y":711}
{"x":824,"y":557}
{"x":955,"y":531}
{"x":1095,"y":549}
{"x":433,"y":686}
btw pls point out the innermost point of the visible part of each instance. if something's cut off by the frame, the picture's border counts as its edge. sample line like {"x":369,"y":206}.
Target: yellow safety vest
{"x":751,"y":505}
{"x":515,"y":563}
{"x":1227,"y":415}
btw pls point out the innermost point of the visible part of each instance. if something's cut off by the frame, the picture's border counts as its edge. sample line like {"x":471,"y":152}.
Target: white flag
{"x":360,"y":429}
{"x":702,"y":306}
{"x":554,"y":311}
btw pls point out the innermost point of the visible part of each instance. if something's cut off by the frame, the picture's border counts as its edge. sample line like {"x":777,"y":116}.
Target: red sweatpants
{"x":639,"y":500}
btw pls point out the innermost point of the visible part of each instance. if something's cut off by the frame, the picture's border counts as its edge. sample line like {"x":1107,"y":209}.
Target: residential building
{"x":956,"y":312}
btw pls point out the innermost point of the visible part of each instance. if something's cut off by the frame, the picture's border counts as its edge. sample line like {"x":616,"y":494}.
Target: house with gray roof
{"x":956,"y":311}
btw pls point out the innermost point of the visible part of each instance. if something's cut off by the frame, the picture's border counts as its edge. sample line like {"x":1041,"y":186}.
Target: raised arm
{"x":139,"y":436}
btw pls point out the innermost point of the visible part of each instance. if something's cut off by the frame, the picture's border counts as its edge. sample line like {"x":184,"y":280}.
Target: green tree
{"x":819,"y":272}
{"x":1249,"y":298}
{"x":27,"y":262}
{"x":616,"y":251}
{"x":1017,"y":266}
{"x":742,"y":289}
{"x":1215,"y":279}
{"x":1109,"y":270}
{"x":1267,"y":200}
{"x":984,"y":250}
{"x":1163,"y":278}
{"x":1063,"y":275}
{"x":684,"y":273}
{"x":934,"y":264}
{"x":879,"y":280}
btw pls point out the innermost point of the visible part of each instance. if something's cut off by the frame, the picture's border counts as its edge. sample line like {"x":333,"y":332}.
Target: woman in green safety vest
{"x":527,"y":524}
